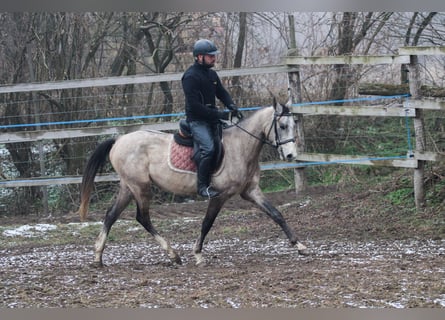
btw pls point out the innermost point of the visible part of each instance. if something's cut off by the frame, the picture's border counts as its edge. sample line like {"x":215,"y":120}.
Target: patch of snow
{"x":440,"y":301}
{"x":233,"y":304}
{"x":81,"y":225}
{"x":396,"y":305}
{"x":29,"y":230}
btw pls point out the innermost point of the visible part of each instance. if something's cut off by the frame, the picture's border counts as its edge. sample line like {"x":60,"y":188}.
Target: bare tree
{"x":126,"y":57}
{"x":162,"y":33}
{"x":14,"y":47}
{"x":353,"y":29}
{"x":42,"y":47}
{"x":416,"y":26}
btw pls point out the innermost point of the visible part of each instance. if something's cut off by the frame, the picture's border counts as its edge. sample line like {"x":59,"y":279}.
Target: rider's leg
{"x":204,"y":169}
{"x":203,"y":137}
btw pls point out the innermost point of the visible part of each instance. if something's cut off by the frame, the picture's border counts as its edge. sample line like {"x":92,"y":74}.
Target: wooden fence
{"x":411,"y":108}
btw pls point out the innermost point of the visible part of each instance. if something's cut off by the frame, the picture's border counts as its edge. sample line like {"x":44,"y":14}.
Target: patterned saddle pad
{"x":180,"y":158}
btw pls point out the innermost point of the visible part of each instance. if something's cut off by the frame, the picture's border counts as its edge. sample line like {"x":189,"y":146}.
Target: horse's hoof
{"x":200,"y":261}
{"x":97,"y":264}
{"x":177,"y":259}
{"x":302,"y":249}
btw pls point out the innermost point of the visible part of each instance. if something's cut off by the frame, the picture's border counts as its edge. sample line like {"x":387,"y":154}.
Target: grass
{"x":278,"y":180}
{"x":402,"y":197}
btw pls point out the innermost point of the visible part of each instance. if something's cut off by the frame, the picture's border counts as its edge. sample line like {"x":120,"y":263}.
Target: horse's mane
{"x":245,"y":119}
{"x":259,"y":109}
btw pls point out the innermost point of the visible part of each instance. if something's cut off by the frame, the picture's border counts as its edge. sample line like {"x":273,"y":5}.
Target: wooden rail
{"x":27,"y":136}
{"x":136,"y":79}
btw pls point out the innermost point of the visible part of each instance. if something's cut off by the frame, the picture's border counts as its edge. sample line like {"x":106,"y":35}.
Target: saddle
{"x":183,"y":137}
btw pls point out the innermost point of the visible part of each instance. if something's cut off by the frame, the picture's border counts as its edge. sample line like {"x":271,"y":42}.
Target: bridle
{"x":274,"y":126}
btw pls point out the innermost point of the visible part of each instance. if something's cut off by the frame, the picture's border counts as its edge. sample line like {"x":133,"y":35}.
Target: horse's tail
{"x":95,"y":162}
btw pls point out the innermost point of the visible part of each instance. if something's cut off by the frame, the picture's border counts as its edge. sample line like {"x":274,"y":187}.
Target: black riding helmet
{"x":204,"y":46}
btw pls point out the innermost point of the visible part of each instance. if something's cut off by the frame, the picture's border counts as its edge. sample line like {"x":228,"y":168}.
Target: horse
{"x":140,"y":158}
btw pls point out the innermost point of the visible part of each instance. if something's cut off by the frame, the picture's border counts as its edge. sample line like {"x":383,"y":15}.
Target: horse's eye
{"x":283,"y":126}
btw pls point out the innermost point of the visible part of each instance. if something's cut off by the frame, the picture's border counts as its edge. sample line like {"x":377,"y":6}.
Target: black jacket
{"x":201,"y":87}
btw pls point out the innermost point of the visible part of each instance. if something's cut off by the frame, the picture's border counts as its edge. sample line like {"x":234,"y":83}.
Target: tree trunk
{"x":342,"y":75}
{"x":237,"y":91}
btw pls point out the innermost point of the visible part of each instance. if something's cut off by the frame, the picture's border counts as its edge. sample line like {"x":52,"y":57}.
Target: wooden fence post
{"x":295,"y":97}
{"x":414,"y":88}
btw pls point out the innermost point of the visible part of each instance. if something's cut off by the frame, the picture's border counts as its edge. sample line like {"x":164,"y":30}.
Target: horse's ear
{"x":277,"y":106}
{"x":274,"y":99}
{"x":289,"y":102}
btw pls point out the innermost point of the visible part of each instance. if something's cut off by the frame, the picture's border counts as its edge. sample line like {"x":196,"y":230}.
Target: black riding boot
{"x":204,"y":188}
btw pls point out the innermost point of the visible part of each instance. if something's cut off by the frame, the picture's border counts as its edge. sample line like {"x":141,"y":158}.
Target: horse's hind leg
{"x":256,"y":196}
{"x":123,"y":199}
{"x":143,"y":217}
{"x":215,"y":205}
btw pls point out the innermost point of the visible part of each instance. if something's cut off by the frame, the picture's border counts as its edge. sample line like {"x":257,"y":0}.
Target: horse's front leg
{"x":215,"y":205}
{"x":256,"y":196}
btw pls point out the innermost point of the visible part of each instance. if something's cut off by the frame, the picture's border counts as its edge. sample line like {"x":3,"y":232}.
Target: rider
{"x":201,"y":85}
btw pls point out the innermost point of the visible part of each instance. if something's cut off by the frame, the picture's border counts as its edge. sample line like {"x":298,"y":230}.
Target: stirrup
{"x":208,"y":192}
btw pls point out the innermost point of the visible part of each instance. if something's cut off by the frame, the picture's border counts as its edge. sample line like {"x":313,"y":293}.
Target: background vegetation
{"x":38,"y":47}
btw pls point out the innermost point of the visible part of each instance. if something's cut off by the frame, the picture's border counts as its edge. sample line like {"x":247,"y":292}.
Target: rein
{"x":274,"y":126}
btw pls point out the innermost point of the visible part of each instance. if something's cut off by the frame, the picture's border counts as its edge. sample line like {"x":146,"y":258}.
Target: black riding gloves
{"x":235,"y":112}
{"x":233,"y":107}
{"x":223,"y":115}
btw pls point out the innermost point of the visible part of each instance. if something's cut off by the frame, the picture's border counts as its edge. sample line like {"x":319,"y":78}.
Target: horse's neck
{"x":260,"y":122}
{"x":252,"y":133}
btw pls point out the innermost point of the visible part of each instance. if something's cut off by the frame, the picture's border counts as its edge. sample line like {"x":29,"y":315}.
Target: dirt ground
{"x":365,"y":252}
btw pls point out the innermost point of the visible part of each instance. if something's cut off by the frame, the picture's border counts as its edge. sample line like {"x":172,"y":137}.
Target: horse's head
{"x":282,"y":132}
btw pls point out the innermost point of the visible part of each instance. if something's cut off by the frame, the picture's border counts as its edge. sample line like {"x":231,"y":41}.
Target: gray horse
{"x":141,"y":158}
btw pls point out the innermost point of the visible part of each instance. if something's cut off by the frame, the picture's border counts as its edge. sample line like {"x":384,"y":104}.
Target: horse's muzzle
{"x":288,"y":152}
{"x":291,"y":157}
